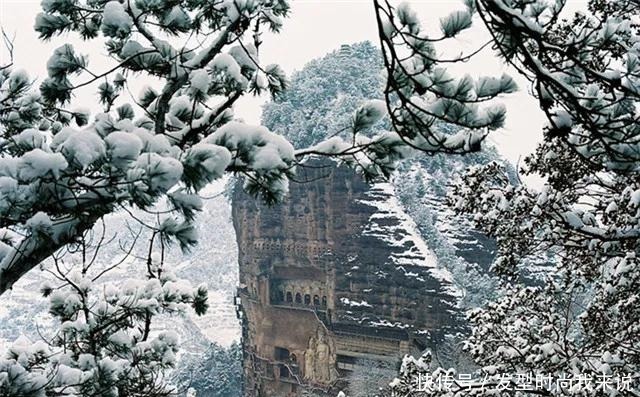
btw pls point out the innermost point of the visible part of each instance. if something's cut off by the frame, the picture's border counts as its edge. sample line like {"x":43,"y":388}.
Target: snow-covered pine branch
{"x":422,"y":97}
{"x":54,"y":162}
{"x":584,"y":70}
{"x":105,"y":344}
{"x":430,"y":111}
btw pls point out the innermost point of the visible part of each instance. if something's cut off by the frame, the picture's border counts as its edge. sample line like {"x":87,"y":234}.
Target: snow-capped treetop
{"x":143,"y":151}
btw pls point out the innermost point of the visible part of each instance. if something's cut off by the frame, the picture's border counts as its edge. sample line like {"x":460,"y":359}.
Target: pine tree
{"x":581,"y":324}
{"x":62,"y":171}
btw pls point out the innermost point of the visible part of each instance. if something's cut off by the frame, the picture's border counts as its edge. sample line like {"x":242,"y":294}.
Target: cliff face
{"x":335,"y":275}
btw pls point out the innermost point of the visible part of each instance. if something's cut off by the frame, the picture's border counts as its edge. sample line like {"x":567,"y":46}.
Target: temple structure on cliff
{"x":333,"y":279}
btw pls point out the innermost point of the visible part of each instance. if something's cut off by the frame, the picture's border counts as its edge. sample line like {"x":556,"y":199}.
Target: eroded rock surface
{"x":335,"y":276}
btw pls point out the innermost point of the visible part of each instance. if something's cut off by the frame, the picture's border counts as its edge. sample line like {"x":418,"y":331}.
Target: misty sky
{"x":314,"y":28}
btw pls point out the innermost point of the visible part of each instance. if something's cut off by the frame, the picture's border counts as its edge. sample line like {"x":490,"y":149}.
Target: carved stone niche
{"x":320,"y":358}
{"x":312,"y":293}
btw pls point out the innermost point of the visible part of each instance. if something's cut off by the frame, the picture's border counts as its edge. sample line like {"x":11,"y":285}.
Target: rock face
{"x":334,"y":276}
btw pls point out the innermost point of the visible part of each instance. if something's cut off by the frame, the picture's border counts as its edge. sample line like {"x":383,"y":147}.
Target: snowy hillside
{"x":214,"y":262}
{"x":404,"y":233}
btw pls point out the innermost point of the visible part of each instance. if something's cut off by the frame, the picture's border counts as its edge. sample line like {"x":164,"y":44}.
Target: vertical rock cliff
{"x":335,"y":276}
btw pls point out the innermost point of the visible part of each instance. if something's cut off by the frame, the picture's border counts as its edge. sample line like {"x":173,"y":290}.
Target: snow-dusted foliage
{"x":581,"y":325}
{"x":421,"y":94}
{"x":216,"y":373}
{"x":62,"y":170}
{"x":76,"y":170}
{"x":334,"y":108}
{"x":104,"y":345}
{"x":322,"y":96}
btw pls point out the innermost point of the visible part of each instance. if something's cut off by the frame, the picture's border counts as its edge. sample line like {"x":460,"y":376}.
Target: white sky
{"x":314,"y":28}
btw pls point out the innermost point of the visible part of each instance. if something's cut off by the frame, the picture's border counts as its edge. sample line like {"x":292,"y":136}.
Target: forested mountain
{"x":319,"y":103}
{"x":323,"y":95}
